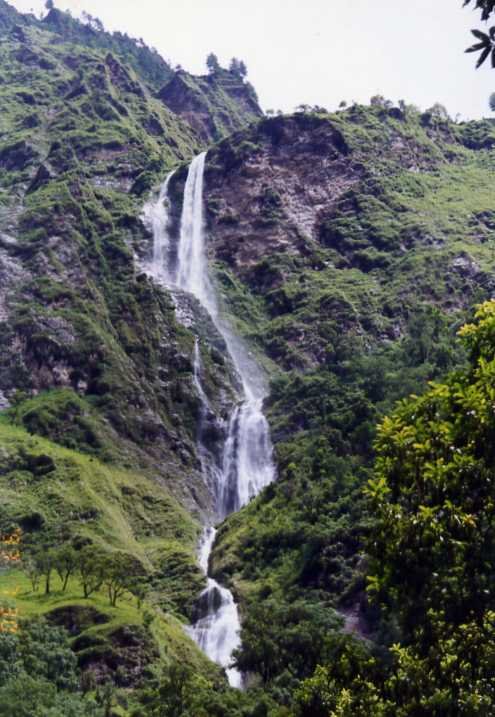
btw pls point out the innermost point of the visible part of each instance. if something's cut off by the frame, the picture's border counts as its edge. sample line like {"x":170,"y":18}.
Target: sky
{"x":316,"y":51}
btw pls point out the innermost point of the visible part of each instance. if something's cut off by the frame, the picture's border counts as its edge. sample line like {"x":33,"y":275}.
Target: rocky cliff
{"x":214,"y":105}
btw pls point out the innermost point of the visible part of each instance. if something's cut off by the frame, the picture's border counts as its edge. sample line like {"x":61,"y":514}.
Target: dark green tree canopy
{"x":212,"y":63}
{"x":485,"y":44}
{"x":238,"y":67}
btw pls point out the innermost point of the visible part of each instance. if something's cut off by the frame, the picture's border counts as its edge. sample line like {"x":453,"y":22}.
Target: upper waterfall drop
{"x":192,"y":265}
{"x":248,"y":465}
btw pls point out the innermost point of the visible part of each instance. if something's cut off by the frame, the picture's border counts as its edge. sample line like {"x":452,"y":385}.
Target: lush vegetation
{"x":357,"y":317}
{"x":429,"y":541}
{"x":364,"y":574}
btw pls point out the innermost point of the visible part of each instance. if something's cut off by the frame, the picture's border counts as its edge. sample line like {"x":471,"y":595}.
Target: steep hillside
{"x":78,"y":151}
{"x":348,"y":248}
{"x":93,"y":358}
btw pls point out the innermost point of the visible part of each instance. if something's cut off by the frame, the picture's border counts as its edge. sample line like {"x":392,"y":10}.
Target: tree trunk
{"x":66,"y":580}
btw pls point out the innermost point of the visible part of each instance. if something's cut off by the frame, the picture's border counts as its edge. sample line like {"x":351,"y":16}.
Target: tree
{"x":40,"y":563}
{"x":276,"y":637}
{"x":491,"y":102}
{"x":179,"y":693}
{"x":380,"y":101}
{"x":93,"y":22}
{"x":33,"y":572}
{"x":65,"y":563}
{"x":433,"y":541}
{"x":90,"y":566}
{"x":485,"y":44}
{"x":120,"y":571}
{"x":238,"y":67}
{"x":438,"y":112}
{"x":212,"y":63}
{"x":50,"y":5}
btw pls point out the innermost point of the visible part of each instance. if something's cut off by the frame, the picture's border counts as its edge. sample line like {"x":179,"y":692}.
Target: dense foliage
{"x":39,"y":675}
{"x":431,"y":549}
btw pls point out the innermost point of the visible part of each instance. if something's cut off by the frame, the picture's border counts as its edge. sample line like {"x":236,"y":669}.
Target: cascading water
{"x":247,"y":464}
{"x":156,"y":214}
{"x":217,"y":632}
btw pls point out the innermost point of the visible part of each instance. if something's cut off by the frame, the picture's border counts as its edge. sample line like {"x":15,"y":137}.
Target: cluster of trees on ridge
{"x":236,"y":67}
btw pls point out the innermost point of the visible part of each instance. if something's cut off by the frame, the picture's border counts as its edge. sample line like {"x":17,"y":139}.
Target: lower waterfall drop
{"x":217,"y":632}
{"x":247,"y":465}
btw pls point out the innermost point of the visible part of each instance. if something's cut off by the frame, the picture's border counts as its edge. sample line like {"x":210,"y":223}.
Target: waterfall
{"x":247,"y":464}
{"x":156,"y":214}
{"x":217,"y":632}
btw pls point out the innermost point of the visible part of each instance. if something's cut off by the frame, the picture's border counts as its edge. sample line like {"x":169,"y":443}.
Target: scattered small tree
{"x":91,"y":570}
{"x":33,"y":572}
{"x":212,"y":63}
{"x":439,"y":112}
{"x":380,"y":101}
{"x":238,"y":67}
{"x":120,"y":571}
{"x":65,"y":563}
{"x":139,"y":592}
{"x":93,"y":22}
{"x":41,"y":561}
{"x":105,"y":697}
{"x":491,"y":102}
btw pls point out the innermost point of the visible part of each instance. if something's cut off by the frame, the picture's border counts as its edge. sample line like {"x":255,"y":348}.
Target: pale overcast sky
{"x":316,"y":51}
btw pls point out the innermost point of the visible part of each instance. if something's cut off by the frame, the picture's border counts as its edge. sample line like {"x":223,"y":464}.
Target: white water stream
{"x":247,"y":464}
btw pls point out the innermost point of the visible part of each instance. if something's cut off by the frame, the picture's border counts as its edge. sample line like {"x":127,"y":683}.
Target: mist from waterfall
{"x":247,"y":464}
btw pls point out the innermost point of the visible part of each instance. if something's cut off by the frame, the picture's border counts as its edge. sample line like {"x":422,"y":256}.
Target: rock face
{"x":275,"y":192}
{"x":303,"y":209}
{"x":214,"y":105}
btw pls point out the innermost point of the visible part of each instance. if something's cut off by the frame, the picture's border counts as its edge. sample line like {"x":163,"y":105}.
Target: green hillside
{"x":348,"y":249}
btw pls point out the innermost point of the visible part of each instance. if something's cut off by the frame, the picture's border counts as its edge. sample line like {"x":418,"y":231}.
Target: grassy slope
{"x":83,"y":499}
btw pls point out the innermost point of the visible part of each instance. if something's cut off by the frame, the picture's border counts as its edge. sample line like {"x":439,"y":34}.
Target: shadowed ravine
{"x":246,"y":466}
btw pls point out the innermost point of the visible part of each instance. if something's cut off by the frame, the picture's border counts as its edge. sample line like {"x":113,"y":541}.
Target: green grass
{"x":166,"y":630}
{"x":82,"y":498}
{"x":116,"y":510}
